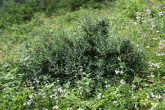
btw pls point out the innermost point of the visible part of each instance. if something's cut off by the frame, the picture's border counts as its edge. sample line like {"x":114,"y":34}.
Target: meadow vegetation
{"x":82,"y":55}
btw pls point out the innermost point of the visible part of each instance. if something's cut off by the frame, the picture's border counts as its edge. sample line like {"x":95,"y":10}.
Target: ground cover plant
{"x":87,"y":59}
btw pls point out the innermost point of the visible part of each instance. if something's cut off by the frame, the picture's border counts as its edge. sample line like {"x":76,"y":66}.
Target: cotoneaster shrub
{"x":91,"y":51}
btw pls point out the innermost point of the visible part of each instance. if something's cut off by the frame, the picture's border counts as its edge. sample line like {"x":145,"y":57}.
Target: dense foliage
{"x":93,"y":52}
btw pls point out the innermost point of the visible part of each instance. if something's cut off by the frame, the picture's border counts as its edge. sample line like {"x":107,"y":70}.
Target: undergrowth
{"x":105,"y":59}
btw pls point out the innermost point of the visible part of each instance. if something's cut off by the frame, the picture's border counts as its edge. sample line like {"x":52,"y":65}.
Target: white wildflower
{"x":158,"y":96}
{"x":147,"y":47}
{"x":30,"y":96}
{"x":80,"y":109}
{"x":54,"y":90}
{"x":135,"y":23}
{"x":155,"y":38}
{"x":107,"y":86}
{"x":153,"y":26}
{"x":116,"y":71}
{"x":24,"y":104}
{"x":136,"y":45}
{"x":122,"y":81}
{"x":152,"y":75}
{"x":160,"y":43}
{"x":121,"y":72}
{"x":55,"y":107}
{"x":133,"y":86}
{"x":99,"y":95}
{"x":160,"y":13}
{"x":28,"y":103}
{"x":138,"y":17}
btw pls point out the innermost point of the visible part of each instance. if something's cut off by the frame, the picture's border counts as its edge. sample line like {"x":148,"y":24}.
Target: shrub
{"x":67,"y":58}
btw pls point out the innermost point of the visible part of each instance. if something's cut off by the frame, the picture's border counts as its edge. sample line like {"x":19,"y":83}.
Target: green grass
{"x":127,"y":20}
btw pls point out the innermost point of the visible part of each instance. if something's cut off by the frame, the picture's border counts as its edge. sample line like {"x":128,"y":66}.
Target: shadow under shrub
{"x":92,"y":52}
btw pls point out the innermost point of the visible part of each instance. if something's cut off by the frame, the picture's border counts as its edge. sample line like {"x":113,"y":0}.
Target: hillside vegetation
{"x":82,"y":55}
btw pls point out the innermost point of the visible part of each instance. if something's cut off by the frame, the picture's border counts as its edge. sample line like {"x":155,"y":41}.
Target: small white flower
{"x":152,"y":103}
{"x":122,"y":81}
{"x":55,"y":107}
{"x":138,"y":17}
{"x":116,"y":71}
{"x":158,"y":97}
{"x":107,"y":86}
{"x":133,"y":86}
{"x":31,"y":87}
{"x":80,"y":109}
{"x":135,"y":23}
{"x":99,"y":95}
{"x":27,"y":90}
{"x":121,"y":72}
{"x":155,"y":38}
{"x":152,"y":75}
{"x":157,"y":65}
{"x":157,"y":31}
{"x":24,"y":104}
{"x":30,"y":96}
{"x":160,"y":43}
{"x":54,"y":90}
{"x":28,"y":103}
{"x":160,"y":13}
{"x":159,"y":54}
{"x":153,"y":26}
{"x":147,"y":47}
{"x":59,"y":89}
{"x":136,"y":45}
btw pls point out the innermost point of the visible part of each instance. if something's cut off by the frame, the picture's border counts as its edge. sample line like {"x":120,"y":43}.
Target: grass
{"x":146,"y":32}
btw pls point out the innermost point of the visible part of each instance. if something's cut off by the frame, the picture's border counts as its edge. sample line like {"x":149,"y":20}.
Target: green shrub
{"x":91,"y":51}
